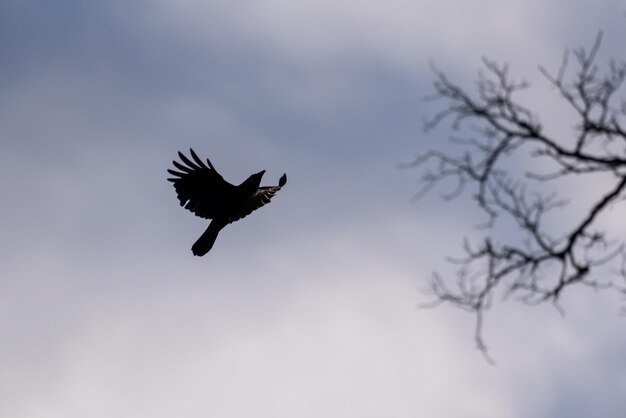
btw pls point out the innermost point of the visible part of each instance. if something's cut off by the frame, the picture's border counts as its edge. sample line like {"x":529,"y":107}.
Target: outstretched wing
{"x":200,"y":188}
{"x":261,"y":197}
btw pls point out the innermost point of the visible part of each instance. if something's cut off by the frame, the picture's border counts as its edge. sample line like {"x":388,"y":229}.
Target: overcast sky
{"x":308,"y":307}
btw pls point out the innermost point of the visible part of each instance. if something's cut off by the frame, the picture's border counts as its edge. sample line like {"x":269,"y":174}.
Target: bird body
{"x":204,"y":192}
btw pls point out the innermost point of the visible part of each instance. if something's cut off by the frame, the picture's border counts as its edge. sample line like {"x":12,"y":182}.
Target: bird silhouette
{"x":204,"y":192}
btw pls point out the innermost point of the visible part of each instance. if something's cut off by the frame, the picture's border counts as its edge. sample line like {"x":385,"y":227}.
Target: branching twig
{"x":506,"y":130}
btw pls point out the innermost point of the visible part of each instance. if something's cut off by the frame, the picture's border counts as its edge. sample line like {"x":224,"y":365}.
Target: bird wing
{"x":200,"y":188}
{"x":261,"y":197}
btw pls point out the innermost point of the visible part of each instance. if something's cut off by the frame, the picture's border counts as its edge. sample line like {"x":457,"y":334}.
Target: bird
{"x":201,"y":189}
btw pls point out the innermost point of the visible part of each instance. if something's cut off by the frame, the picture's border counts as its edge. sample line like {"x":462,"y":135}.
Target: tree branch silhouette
{"x":540,"y":266}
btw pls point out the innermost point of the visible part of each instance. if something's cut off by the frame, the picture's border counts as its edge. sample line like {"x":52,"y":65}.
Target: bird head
{"x":254,"y":180}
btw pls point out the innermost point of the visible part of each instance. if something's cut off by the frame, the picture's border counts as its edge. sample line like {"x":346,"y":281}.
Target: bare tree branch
{"x":545,"y":262}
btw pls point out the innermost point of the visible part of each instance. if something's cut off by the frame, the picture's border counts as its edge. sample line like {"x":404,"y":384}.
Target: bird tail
{"x":207,"y":239}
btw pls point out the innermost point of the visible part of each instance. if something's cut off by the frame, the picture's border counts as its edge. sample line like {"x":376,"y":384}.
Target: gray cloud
{"x":306,"y":308}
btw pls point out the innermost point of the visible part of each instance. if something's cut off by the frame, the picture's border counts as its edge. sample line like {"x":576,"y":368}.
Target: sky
{"x":309,"y":307}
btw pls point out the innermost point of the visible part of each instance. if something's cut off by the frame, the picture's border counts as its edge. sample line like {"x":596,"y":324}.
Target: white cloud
{"x":401,"y":33}
{"x":335,"y":340}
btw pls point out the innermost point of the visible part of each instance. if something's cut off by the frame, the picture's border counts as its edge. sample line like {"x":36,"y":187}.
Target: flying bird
{"x":204,"y":192}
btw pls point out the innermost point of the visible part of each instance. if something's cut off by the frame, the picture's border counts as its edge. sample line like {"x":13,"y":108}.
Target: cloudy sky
{"x":308,"y":307}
